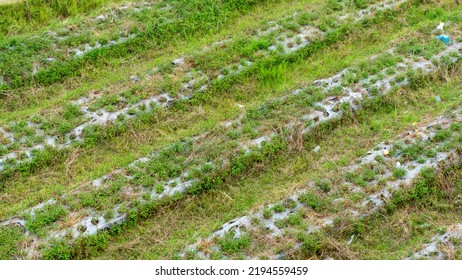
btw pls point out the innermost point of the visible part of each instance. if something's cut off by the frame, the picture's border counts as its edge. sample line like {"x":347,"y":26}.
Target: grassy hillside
{"x":139,"y":130}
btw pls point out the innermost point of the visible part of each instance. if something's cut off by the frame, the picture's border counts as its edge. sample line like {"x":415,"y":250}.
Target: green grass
{"x":95,"y":134}
{"x":248,"y":194}
{"x":188,"y":19}
{"x":229,"y":244}
{"x":11,"y":238}
{"x":30,"y":14}
{"x":228,"y":182}
{"x":408,"y":221}
{"x":44,"y":217}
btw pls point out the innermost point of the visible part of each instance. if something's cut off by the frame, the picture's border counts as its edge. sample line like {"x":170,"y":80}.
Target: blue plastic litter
{"x":444,"y":38}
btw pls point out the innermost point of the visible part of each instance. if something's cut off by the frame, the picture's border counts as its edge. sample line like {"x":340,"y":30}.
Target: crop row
{"x":366,"y":186}
{"x":158,"y":87}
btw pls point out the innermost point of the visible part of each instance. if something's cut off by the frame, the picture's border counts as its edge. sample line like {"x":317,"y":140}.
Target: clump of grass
{"x":231,"y":245}
{"x":411,"y":152}
{"x":311,"y":243}
{"x":279,"y":208}
{"x":313,"y":201}
{"x":399,"y":172}
{"x":84,"y":247}
{"x":44,"y":217}
{"x":442,"y":135}
{"x":323,"y":185}
{"x":10,"y":238}
{"x":420,"y":47}
{"x":89,"y":246}
{"x":58,"y":250}
{"x":32,"y":13}
{"x":294,"y":219}
{"x":267,"y":213}
{"x":71,"y":111}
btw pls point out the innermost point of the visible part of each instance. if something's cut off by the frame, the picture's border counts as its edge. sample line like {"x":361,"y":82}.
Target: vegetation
{"x":130,"y":124}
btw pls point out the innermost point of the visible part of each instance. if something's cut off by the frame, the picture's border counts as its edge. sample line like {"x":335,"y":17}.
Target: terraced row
{"x":442,"y":246}
{"x":207,"y":160}
{"x":280,"y":228}
{"x":39,"y":58}
{"x":158,"y":87}
{"x":192,"y":165}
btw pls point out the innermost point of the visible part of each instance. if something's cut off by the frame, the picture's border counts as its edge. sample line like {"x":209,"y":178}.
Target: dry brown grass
{"x":71,"y":219}
{"x":295,"y":139}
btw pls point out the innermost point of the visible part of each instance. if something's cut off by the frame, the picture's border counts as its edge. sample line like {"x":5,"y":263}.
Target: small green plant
{"x":279,"y":208}
{"x":368,"y":174}
{"x":94,"y":220}
{"x":45,"y":216}
{"x":58,"y":250}
{"x":294,"y":219}
{"x":442,"y":135}
{"x":399,"y":172}
{"x":290,"y":204}
{"x":146,"y":196}
{"x":323,"y":185}
{"x":71,"y":111}
{"x":89,"y":245}
{"x":229,"y":244}
{"x":233,"y":134}
{"x":10,"y":238}
{"x":311,"y":243}
{"x":267,"y":213}
{"x":313,"y":201}
{"x":411,"y":152}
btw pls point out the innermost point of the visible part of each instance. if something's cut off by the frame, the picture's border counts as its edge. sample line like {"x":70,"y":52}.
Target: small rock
{"x":78,"y":52}
{"x":178,"y":61}
{"x":97,"y":183}
{"x":101,"y":17}
{"x":386,"y":152}
{"x":317,"y":149}
{"x":438,"y":99}
{"x":398,"y":164}
{"x":134,"y":78}
{"x":87,"y":48}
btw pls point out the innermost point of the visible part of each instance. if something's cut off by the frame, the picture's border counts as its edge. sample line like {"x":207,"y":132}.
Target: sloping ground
{"x":136,"y":145}
{"x":385,"y":170}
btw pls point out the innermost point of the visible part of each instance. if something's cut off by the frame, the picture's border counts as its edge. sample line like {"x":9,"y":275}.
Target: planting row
{"x":26,"y":56}
{"x":442,"y":246}
{"x":194,"y":164}
{"x":157,"y":88}
{"x":365,"y":186}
